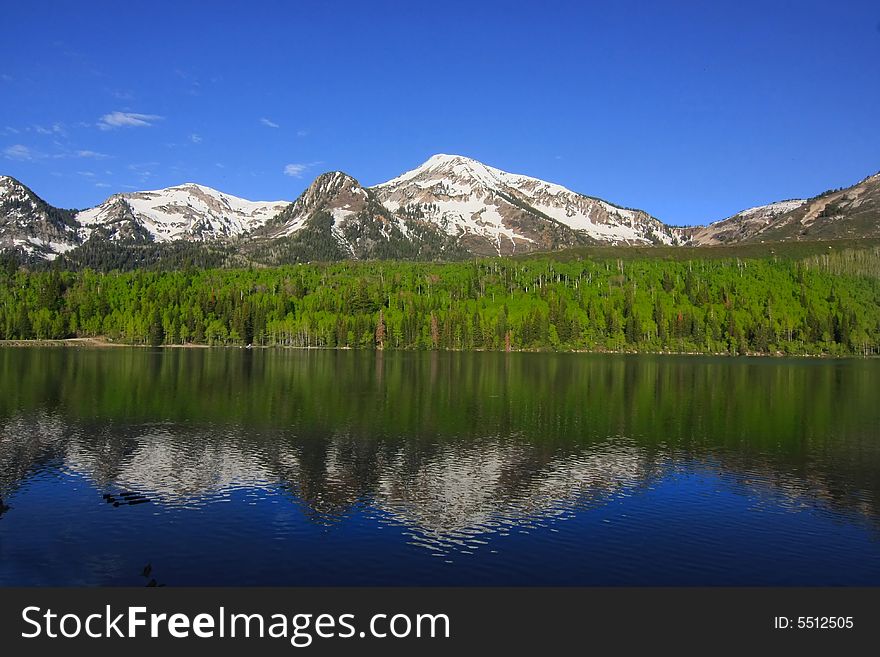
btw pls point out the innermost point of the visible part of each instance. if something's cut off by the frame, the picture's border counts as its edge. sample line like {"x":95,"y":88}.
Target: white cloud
{"x":91,"y":154}
{"x":143,"y":170}
{"x":127,"y":120}
{"x":295,"y":170}
{"x":102,"y":184}
{"x":19,"y":152}
{"x":302,"y":133}
{"x":6,"y":77}
{"x":54,"y":129}
{"x":86,"y":174}
{"x":195,"y":138}
{"x":25,"y":153}
{"x":269,"y":124}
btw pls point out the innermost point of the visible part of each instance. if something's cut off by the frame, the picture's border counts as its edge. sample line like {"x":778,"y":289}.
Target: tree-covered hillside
{"x":819,"y":304}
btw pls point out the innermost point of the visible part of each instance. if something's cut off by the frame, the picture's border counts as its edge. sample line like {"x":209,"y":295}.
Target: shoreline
{"x":93,"y":342}
{"x":103,"y":343}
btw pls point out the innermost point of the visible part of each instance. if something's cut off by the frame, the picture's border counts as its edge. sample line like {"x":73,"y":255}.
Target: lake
{"x":180,"y":467}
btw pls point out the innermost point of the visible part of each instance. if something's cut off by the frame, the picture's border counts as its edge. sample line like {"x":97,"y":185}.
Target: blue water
{"x":686,"y":528}
{"x":330,"y":499}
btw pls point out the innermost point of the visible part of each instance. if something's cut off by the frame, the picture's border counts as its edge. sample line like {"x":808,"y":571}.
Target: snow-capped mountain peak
{"x":335,"y":192}
{"x":447,"y":207}
{"x":184,"y":212}
{"x":11,"y":188}
{"x":513,"y":212}
{"x":31,"y":226}
{"x":442,"y":167}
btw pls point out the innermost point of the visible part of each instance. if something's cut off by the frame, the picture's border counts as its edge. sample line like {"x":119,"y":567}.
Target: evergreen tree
{"x":156,"y":333}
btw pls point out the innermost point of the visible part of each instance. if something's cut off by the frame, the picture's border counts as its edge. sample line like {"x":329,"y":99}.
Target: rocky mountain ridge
{"x":448,"y":207}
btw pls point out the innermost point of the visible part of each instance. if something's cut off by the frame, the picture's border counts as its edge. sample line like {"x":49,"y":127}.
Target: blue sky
{"x":690,"y":111}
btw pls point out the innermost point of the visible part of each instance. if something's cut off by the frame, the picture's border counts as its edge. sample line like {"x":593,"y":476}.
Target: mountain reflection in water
{"x":345,"y":467}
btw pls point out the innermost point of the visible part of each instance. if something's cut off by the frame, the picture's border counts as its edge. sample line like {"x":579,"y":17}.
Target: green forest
{"x":822,"y":304}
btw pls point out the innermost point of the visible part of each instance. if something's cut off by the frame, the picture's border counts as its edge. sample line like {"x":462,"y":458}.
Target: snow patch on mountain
{"x":772,"y":209}
{"x":745,"y":224}
{"x":464,"y":197}
{"x":184,"y":212}
{"x":335,"y":192}
{"x":31,"y":226}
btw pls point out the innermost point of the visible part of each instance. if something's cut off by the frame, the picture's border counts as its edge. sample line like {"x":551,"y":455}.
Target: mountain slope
{"x":744,"y":225}
{"x":31,"y":227}
{"x":185,"y":212}
{"x":449,"y":207}
{"x":336,"y":218}
{"x":853,"y":212}
{"x":494,"y":212}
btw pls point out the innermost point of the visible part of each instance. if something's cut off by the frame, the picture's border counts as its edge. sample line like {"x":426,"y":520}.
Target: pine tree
{"x":156,"y":332}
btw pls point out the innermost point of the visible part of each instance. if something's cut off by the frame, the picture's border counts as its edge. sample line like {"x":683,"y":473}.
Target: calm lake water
{"x":237,"y":467}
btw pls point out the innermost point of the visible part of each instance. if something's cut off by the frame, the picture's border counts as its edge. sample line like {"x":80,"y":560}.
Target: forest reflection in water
{"x":438,"y":468}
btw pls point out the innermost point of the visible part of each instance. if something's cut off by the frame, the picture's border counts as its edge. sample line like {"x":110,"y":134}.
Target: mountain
{"x":491,"y":212}
{"x":449,"y":207}
{"x":743,"y":225}
{"x":853,"y":212}
{"x":337,"y":218}
{"x":31,"y":227}
{"x":186,"y":212}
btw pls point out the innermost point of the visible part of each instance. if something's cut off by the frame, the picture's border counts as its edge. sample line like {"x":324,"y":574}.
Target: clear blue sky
{"x":689,"y":110}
